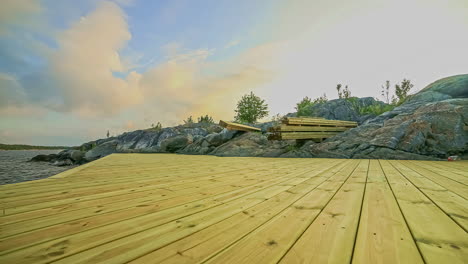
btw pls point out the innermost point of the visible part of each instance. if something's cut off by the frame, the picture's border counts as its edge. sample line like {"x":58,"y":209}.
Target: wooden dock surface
{"x":166,"y":208}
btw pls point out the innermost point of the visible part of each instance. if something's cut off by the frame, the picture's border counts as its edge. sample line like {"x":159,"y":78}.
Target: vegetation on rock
{"x":206,"y":119}
{"x":303,"y":108}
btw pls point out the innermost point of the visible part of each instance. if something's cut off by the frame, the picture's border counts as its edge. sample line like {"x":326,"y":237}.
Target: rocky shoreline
{"x":430,"y":125}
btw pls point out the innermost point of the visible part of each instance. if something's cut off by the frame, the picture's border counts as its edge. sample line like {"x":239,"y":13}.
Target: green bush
{"x":375,"y":109}
{"x":156,"y":127}
{"x":205,"y":119}
{"x":304,"y":107}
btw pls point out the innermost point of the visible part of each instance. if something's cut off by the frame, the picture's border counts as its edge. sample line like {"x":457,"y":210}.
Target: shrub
{"x":205,"y":119}
{"x":304,"y":107}
{"x":375,"y":109}
{"x":345,"y":93}
{"x":188,"y":121}
{"x":156,"y":127}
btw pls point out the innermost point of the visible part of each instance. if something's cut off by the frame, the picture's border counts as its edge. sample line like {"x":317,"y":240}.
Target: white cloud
{"x":82,"y":66}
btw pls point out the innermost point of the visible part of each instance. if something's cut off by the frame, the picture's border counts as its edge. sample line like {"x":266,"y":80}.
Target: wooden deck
{"x":157,"y":208}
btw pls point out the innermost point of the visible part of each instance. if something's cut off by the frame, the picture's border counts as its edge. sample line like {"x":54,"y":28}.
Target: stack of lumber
{"x":308,"y":128}
{"x":235,"y":126}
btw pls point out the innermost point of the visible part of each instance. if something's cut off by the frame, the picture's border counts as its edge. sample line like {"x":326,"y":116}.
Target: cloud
{"x":17,"y":13}
{"x":11,"y":92}
{"x":86,"y":76}
{"x":232,"y":44}
{"x":86,"y":58}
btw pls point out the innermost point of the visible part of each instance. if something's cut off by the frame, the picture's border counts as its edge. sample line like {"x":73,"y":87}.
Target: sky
{"x":72,"y":70}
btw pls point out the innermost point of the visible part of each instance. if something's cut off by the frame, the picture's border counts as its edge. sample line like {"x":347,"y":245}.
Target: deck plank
{"x":454,"y":186}
{"x":455,"y":206}
{"x":383,"y":236}
{"x":438,"y":237}
{"x":330,"y":237}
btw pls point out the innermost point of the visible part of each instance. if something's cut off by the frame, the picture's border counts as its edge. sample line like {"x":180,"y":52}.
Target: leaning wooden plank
{"x":438,"y":237}
{"x":235,"y":126}
{"x":383,"y":236}
{"x":330,"y":237}
{"x":287,"y":128}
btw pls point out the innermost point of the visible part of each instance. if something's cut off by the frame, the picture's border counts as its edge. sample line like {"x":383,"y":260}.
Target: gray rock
{"x":345,"y":109}
{"x":430,"y":131}
{"x":64,"y":162}
{"x":176,"y":143}
{"x":77,"y":156}
{"x":102,"y":150}
{"x":44,"y":158}
{"x":446,"y":88}
{"x":252,"y":145}
{"x":215,"y":139}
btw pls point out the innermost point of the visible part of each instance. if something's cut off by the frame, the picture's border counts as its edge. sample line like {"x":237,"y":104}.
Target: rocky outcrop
{"x":252,"y":145}
{"x":346,"y":109}
{"x":431,"y":124}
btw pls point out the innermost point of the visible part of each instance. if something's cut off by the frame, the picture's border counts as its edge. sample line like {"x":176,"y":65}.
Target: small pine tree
{"x":250,"y":108}
{"x":108,"y":134}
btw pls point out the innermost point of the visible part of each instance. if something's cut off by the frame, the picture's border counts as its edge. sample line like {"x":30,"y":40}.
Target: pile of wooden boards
{"x":235,"y":126}
{"x":316,"y":129}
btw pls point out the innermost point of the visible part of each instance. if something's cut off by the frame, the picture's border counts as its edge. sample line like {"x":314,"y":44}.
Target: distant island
{"x":28,"y":147}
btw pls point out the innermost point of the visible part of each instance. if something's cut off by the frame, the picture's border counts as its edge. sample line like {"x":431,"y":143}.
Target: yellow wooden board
{"x":236,"y":126}
{"x":167,"y":208}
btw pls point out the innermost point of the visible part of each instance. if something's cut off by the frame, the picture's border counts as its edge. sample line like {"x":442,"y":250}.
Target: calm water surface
{"x":15,"y":168}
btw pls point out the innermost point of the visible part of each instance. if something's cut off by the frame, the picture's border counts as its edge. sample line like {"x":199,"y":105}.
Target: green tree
{"x":401,"y":91}
{"x":250,"y":108}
